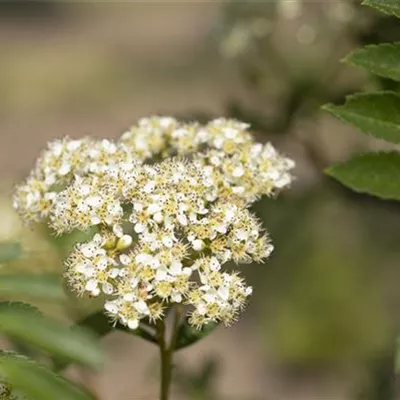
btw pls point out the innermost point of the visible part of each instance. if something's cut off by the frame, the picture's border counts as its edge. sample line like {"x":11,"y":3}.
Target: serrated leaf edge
{"x":330,"y":107}
{"x":328,"y":171}
{"x":349,"y":59}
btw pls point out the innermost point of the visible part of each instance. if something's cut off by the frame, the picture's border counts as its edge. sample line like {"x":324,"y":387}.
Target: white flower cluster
{"x":166,"y":228}
{"x":63,"y":162}
{"x":248,"y":169}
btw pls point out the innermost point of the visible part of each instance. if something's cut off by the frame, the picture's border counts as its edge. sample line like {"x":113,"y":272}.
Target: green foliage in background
{"x":376,"y":114}
{"x":21,"y":377}
{"x":372,"y":173}
{"x":375,"y":173}
{"x":327,"y":308}
{"x":391,"y":7}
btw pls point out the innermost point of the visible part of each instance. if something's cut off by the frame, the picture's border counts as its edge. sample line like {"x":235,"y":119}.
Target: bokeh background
{"x":323,"y":320}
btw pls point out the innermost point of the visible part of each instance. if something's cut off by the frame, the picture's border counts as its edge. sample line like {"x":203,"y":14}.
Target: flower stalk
{"x":167,"y":352}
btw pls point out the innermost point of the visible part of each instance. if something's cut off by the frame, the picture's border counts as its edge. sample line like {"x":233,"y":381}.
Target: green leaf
{"x":188,"y":335}
{"x":97,"y":322}
{"x":377,"y":174}
{"x":382,"y":60}
{"x":25,"y":324}
{"x":391,"y":7}
{"x":9,"y":252}
{"x":100,"y":324}
{"x":34,"y":286}
{"x":37,"y":382}
{"x":377,"y":114}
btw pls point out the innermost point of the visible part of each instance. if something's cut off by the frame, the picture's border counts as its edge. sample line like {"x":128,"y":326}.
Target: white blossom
{"x":165,"y":229}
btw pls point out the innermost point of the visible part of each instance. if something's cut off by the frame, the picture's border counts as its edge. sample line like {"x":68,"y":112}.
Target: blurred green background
{"x":324,"y":317}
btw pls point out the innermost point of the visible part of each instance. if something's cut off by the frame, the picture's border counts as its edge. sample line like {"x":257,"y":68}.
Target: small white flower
{"x":241,"y":234}
{"x":153,"y":208}
{"x":214,"y":264}
{"x":238,"y":172}
{"x":198,"y":245}
{"x":167,"y":241}
{"x":139,"y":227}
{"x":134,"y":282}
{"x":138,"y":207}
{"x":125,"y":259}
{"x":229,"y":214}
{"x":166,"y":122}
{"x":107,"y":288}
{"x":201,"y":308}
{"x":238,"y":189}
{"x":129,"y":297}
{"x":175,"y":268}
{"x":94,"y":201}
{"x":124,"y":242}
{"x":102,"y":263}
{"x":181,"y":218}
{"x":158,"y":217}
{"x":64,"y":169}
{"x":84,"y":190}
{"x":221,"y":228}
{"x":88,"y":250}
{"x":149,"y":187}
{"x":86,"y":270}
{"x":97,"y":239}
{"x":74,"y":145}
{"x":95,"y":220}
{"x":141,"y":307}
{"x":223,"y":292}
{"x":176,"y":297}
{"x":118,"y":231}
{"x":209,"y":297}
{"x":161,"y":274}
{"x":114,"y":272}
{"x":111,"y":307}
{"x":144,"y":258}
{"x":133,"y":323}
{"x":91,"y":286}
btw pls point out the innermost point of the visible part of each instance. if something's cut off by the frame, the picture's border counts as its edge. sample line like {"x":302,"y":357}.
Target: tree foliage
{"x":376,"y":114}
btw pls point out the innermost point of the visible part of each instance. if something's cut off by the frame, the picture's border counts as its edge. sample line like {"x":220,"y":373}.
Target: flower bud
{"x":110,"y":243}
{"x":124,"y":242}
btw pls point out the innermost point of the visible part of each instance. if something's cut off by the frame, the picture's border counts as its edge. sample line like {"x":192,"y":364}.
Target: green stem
{"x":165,"y":361}
{"x":175,"y":329}
{"x":166,"y":352}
